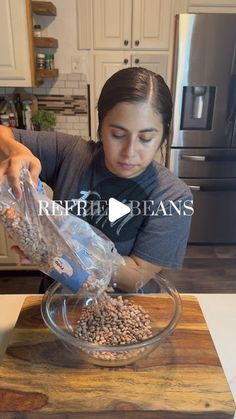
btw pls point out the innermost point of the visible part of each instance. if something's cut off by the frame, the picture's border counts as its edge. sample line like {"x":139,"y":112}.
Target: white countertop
{"x":219,"y":311}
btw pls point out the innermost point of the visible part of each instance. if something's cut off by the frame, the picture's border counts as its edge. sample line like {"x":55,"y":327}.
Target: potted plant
{"x":44,"y":120}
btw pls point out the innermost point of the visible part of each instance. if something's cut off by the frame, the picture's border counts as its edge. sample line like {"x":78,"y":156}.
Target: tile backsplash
{"x":67,"y":96}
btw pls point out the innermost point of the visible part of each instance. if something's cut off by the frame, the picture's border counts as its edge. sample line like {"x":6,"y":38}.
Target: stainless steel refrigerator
{"x":202,"y":147}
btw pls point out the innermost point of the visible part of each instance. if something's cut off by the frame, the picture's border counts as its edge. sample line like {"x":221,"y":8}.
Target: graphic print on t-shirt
{"x":96,"y":207}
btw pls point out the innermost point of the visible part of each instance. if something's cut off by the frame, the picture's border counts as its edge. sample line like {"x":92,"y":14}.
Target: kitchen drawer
{"x":203,"y":163}
{"x":214,"y":219}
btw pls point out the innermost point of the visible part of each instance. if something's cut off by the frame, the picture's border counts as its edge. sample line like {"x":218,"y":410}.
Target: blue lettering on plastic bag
{"x":68,"y":273}
{"x":84,"y":257}
{"x":40,"y":188}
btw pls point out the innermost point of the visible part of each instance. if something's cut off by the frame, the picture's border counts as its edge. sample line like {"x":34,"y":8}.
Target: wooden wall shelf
{"x":43,"y":42}
{"x":45,"y":8}
{"x":46,"y":73}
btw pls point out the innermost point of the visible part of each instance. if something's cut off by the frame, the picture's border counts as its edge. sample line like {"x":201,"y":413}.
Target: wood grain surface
{"x":181,"y":379}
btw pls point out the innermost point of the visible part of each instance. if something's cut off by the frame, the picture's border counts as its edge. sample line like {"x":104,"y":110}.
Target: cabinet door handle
{"x":136,"y":60}
{"x":126,"y":61}
{"x":136,"y":43}
{"x":193,"y":158}
{"x":126,"y":42}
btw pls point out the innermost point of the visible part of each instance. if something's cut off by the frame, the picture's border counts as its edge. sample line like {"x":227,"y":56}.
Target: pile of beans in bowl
{"x":114,"y":321}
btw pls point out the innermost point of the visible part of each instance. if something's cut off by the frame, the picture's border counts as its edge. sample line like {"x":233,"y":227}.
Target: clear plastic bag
{"x":65,"y":247}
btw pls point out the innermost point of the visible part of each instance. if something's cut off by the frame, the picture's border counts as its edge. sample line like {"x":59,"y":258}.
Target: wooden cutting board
{"x":181,"y":379}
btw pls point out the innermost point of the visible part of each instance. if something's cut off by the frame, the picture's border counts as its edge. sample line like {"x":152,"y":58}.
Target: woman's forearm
{"x":132,"y":276}
{"x":13,"y":157}
{"x":8,"y":144}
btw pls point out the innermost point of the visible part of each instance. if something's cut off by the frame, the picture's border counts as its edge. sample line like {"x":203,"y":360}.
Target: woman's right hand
{"x":13,"y":157}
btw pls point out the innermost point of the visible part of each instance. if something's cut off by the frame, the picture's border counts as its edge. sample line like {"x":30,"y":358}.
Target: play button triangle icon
{"x":116,"y":209}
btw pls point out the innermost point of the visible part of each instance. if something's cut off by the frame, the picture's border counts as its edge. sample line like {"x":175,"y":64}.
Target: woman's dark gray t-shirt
{"x":75,"y":170}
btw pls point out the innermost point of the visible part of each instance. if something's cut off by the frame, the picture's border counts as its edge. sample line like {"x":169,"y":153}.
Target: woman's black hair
{"x":135,"y":85}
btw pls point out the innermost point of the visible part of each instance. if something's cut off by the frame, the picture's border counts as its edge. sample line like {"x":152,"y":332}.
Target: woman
{"x":134,"y":113}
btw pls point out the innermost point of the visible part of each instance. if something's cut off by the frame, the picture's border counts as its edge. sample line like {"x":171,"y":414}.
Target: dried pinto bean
{"x":25,"y":234}
{"x":114,"y":321}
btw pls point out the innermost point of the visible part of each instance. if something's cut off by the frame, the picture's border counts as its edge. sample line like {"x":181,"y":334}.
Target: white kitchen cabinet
{"x":211,"y":6}
{"x":112,"y":24}
{"x":104,"y":65}
{"x":125,"y":24}
{"x":212,"y":3}
{"x":211,"y":9}
{"x":151,"y":24}
{"x":107,"y":63}
{"x":9,"y":260}
{"x":16,"y":58}
{"x":7,"y":256}
{"x":156,"y":62}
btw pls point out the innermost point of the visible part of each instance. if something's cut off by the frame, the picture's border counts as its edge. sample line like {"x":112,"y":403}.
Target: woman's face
{"x":131,"y":134}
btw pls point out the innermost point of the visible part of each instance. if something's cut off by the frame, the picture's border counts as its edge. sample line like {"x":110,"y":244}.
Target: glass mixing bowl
{"x":61,"y":312}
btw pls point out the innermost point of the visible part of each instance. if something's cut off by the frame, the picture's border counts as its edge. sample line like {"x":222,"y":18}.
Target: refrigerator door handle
{"x":204,"y":189}
{"x":193,"y":158}
{"x":231,"y":109}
